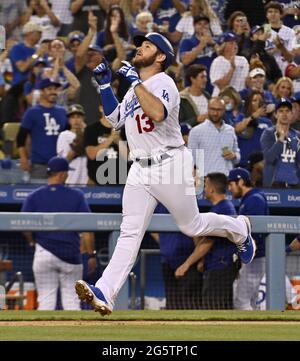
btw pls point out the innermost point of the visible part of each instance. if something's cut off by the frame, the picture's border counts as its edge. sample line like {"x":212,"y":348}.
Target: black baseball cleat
{"x":247,"y":249}
{"x":93,"y":296}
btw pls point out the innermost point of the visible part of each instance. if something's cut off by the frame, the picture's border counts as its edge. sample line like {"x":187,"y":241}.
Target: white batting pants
{"x":145,"y":187}
{"x":50,"y":273}
{"x":246,"y":286}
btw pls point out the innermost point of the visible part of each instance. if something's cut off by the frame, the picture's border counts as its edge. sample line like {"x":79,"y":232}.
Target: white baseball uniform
{"x":149,"y":184}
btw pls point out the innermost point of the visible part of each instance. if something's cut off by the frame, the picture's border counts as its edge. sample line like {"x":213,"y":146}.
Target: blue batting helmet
{"x":158,"y":40}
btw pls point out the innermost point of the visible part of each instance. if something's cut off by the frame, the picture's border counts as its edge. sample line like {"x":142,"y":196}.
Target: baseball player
{"x":253,"y":202}
{"x":57,"y":258}
{"x":149,"y":111}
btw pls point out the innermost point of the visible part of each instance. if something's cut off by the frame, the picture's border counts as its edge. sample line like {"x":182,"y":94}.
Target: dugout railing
{"x":275,"y":226}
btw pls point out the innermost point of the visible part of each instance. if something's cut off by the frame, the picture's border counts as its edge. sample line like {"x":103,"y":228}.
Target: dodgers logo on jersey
{"x":131,"y":106}
{"x":51,"y":126}
{"x":165,"y":95}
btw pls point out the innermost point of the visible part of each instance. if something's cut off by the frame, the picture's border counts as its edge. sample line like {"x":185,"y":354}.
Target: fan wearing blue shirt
{"x":253,"y":202}
{"x":198,"y":49}
{"x":43,"y":122}
{"x":168,"y":10}
{"x":217,"y":253}
{"x":281,"y":149}
{"x":57,"y":259}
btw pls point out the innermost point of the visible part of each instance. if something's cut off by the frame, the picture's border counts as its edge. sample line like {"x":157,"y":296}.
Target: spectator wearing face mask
{"x":232,"y":102}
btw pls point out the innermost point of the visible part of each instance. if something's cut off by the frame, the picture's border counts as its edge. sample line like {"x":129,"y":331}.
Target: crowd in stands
{"x":238,"y":74}
{"x":248,"y":56}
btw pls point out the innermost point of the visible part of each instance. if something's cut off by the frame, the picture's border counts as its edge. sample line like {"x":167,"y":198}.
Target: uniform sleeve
{"x":83,"y":206}
{"x":254,"y":206}
{"x":168,"y":95}
{"x":185,"y":47}
{"x":28,"y":205}
{"x":28,"y":119}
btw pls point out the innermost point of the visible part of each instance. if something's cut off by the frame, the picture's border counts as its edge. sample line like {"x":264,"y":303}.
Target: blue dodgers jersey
{"x":254,"y":203}
{"x":221,"y":254}
{"x":287,"y":169}
{"x":58,"y":198}
{"x":44,"y":125}
{"x":19,"y":52}
{"x":175,"y":247}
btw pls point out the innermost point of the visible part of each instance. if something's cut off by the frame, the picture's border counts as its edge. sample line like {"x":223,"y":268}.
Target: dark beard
{"x":143,"y":63}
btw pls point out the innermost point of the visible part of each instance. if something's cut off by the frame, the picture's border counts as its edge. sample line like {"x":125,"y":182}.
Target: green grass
{"x":152,"y":332}
{"x":124,"y":331}
{"x":161,"y":315}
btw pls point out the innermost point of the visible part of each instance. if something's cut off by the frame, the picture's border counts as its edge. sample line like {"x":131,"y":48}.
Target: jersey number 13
{"x":144,"y":123}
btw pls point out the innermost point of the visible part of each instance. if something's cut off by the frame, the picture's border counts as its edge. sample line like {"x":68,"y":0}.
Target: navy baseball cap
{"x":227,"y":36}
{"x":237,"y":174}
{"x":284,"y":102}
{"x":185,"y":128}
{"x":41,"y":60}
{"x":160,"y":42}
{"x":95,"y":48}
{"x":58,"y":164}
{"x":78,"y":37}
{"x":46,"y":82}
{"x":255,"y":28}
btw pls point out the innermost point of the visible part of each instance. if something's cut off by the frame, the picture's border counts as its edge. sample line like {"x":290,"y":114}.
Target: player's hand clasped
{"x":130,"y":73}
{"x":102,"y":74}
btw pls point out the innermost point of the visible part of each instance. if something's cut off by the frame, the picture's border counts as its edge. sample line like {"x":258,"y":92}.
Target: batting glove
{"x":102,"y":74}
{"x":130,"y":73}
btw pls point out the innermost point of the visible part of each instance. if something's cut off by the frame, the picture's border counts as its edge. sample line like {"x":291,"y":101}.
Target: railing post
{"x":275,"y":271}
{"x":122,"y":299}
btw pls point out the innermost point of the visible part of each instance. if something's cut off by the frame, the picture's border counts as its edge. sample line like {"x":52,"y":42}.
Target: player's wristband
{"x":104,"y":86}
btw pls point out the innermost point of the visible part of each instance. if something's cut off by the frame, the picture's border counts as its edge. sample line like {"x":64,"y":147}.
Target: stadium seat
{"x":10,"y":131}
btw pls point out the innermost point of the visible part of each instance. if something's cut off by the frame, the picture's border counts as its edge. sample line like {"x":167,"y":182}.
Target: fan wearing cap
{"x":149,"y":111}
{"x":185,"y":26}
{"x":75,"y":39}
{"x":57,"y":259}
{"x":281,"y":149}
{"x":43,"y":122}
{"x":31,"y":92}
{"x":23,"y":54}
{"x":257,"y":82}
{"x":253,"y":203}
{"x":199,"y":48}
{"x":228,"y":68}
{"x":70,"y":145}
{"x":42,"y":15}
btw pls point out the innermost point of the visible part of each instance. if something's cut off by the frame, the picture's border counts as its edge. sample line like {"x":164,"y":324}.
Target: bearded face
{"x":143,"y":60}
